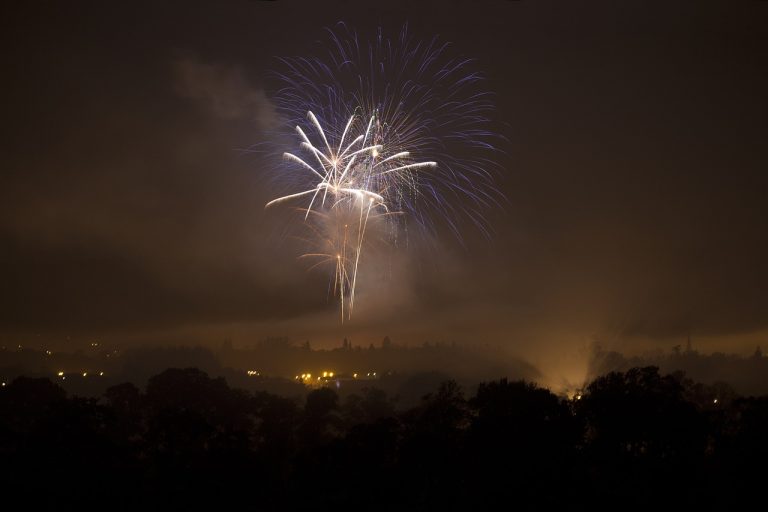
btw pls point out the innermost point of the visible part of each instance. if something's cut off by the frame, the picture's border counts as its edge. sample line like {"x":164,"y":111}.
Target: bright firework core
{"x":391,"y":133}
{"x":358,"y":177}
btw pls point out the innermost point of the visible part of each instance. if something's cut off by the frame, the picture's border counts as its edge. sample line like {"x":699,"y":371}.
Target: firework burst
{"x":388,"y":133}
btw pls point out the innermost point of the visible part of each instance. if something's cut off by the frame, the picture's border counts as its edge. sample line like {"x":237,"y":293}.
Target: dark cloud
{"x":225,"y":91}
{"x":635,"y":177}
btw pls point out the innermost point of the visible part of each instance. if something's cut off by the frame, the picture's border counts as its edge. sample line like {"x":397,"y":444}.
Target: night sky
{"x":634,"y":174}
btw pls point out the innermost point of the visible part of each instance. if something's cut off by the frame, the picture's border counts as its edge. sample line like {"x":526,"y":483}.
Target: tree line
{"x":634,"y":440}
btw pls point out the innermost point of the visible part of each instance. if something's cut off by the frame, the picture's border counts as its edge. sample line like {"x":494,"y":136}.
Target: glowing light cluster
{"x":356,"y":179}
{"x":392,"y":133}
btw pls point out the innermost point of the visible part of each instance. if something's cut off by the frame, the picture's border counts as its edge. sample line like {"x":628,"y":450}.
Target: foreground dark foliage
{"x":633,"y":440}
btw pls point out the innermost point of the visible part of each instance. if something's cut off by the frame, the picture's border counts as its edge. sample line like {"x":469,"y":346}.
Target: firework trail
{"x":389,"y":132}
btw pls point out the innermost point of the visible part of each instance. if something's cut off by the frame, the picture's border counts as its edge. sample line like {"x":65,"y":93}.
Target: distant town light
{"x":714,"y":401}
{"x":85,"y":374}
{"x":61,"y":374}
{"x":101,"y":374}
{"x":354,"y":375}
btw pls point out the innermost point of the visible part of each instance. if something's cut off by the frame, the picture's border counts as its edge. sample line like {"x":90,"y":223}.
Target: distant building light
{"x":354,"y":375}
{"x":85,"y":374}
{"x":714,"y":401}
{"x":61,"y":374}
{"x":101,"y":374}
{"x":47,"y":352}
{"x":3,"y":384}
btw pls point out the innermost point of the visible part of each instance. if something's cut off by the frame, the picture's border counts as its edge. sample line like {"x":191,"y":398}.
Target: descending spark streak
{"x":319,"y":129}
{"x":410,"y":166}
{"x":365,"y":118}
{"x":292,"y":196}
{"x":289,"y":156}
{"x":344,"y":134}
{"x":402,"y":154}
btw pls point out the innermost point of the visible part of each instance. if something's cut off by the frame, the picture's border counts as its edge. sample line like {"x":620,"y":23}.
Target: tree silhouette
{"x":635,"y":439}
{"x":643,"y":433}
